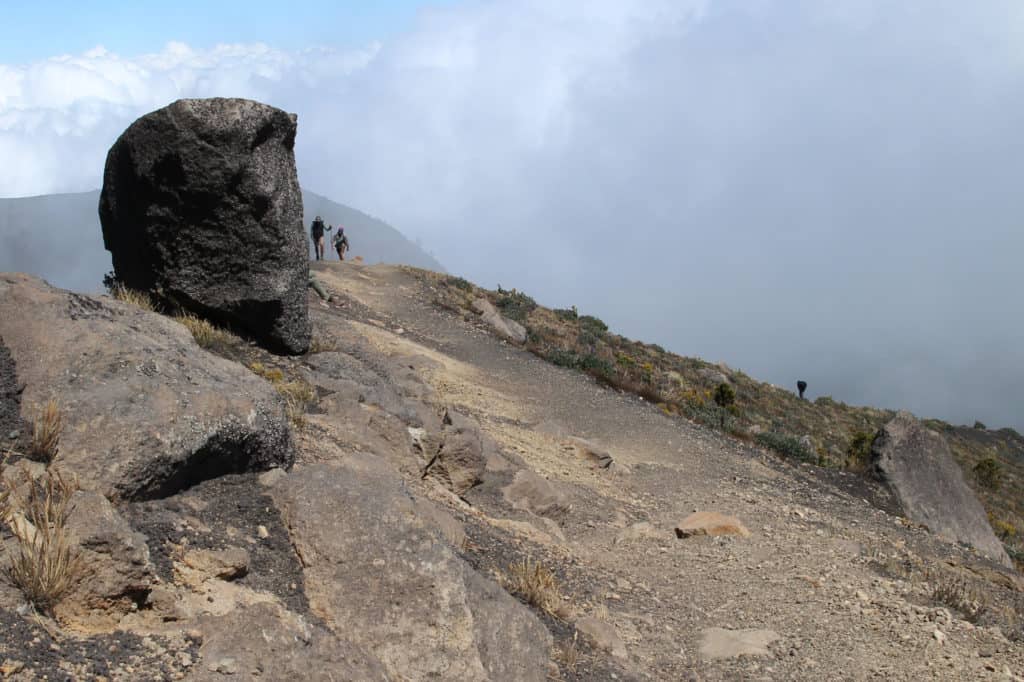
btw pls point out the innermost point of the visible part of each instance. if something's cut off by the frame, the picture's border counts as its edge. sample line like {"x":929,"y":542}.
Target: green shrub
{"x":514,"y":304}
{"x":585,"y":338}
{"x":567,"y":314}
{"x":564,"y":358}
{"x":785,"y":445}
{"x":593,"y":325}
{"x":725,"y":397}
{"x":592,"y":364}
{"x":979,"y":425}
{"x":989,"y":473}
{"x":858,"y":452}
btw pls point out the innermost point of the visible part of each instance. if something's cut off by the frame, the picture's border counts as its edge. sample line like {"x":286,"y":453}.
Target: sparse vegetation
{"x":566,"y":314}
{"x":46,"y":428}
{"x":206,"y":334}
{"x":298,"y":394}
{"x":536,"y":585}
{"x":139,"y":299}
{"x":980,"y":426}
{"x":989,"y":473}
{"x":459,"y":283}
{"x":46,"y":564}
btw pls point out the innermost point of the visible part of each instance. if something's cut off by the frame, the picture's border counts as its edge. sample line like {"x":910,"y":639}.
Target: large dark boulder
{"x":201,"y":204}
{"x":917,"y":465}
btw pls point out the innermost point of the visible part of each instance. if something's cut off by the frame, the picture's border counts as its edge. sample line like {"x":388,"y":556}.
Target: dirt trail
{"x":823,"y":570}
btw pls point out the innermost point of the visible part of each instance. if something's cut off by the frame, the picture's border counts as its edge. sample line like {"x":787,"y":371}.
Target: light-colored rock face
{"x":145,"y":411}
{"x":602,"y":635}
{"x":917,"y":465}
{"x":381,"y":575}
{"x":265,"y":642}
{"x":201,"y":201}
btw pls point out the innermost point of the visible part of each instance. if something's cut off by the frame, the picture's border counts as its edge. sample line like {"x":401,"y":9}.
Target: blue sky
{"x":29,"y":31}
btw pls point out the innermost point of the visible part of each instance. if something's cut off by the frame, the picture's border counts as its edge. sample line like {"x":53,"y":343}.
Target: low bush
{"x":566,"y":314}
{"x":139,"y":299}
{"x":593,"y":325}
{"x":989,"y":473}
{"x":956,"y":593}
{"x":785,"y":445}
{"x":514,"y":304}
{"x":459,"y":283}
{"x":858,"y":452}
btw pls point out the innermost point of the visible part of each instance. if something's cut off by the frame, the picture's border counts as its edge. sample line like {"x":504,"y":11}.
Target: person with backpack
{"x":317,"y":232}
{"x":340,"y":242}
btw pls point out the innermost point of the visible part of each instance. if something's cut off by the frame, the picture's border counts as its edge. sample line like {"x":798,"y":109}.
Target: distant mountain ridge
{"x":58,"y":237}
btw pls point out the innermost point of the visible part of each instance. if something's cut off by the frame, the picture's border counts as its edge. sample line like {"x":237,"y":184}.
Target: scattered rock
{"x":533,"y":493}
{"x":459,"y":460}
{"x":224,"y":564}
{"x":710,"y":523}
{"x":271,"y":478}
{"x":915,"y":462}
{"x":120,"y":572}
{"x":602,"y":636}
{"x":130,"y":433}
{"x":509,"y":329}
{"x":594,"y":454}
{"x":184,"y":186}
{"x":719,"y":643}
{"x":389,"y":584}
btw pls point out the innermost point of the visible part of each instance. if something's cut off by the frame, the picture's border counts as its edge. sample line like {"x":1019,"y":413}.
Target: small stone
{"x":225,"y":666}
{"x":262,"y":532}
{"x":939,"y":636}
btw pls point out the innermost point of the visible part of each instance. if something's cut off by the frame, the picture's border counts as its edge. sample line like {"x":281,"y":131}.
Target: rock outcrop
{"x":201,"y":204}
{"x":509,"y":329}
{"x":379,"y":572}
{"x":146,"y":412}
{"x":917,"y":465}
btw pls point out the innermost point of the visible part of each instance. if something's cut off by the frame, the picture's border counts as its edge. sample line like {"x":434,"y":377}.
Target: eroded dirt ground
{"x":846,"y":587}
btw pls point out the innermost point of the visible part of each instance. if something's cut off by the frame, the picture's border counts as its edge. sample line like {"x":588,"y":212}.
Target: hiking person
{"x":801,"y":386}
{"x":316,"y":230}
{"x":340,"y":242}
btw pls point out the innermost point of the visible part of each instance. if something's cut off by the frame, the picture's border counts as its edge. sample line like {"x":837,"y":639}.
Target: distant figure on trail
{"x":340,"y":242}
{"x":317,"y":232}
{"x":801,"y":386}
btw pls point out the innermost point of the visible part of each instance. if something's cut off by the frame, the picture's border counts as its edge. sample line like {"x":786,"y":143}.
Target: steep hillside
{"x":824,"y":432}
{"x":58,"y":237}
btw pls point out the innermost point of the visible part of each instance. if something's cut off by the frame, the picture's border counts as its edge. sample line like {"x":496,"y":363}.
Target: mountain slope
{"x":58,"y":237}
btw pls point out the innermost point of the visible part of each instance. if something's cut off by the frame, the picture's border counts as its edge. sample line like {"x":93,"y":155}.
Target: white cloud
{"x":775,"y":183}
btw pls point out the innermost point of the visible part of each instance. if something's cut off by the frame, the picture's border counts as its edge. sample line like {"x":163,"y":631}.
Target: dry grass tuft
{"x":958,"y":594}
{"x":536,"y":585}
{"x":568,"y":653}
{"x":46,"y":430}
{"x":139,"y":299}
{"x":322,"y":344}
{"x":47,"y":563}
{"x":298,"y":395}
{"x":271,"y":374}
{"x":206,"y":334}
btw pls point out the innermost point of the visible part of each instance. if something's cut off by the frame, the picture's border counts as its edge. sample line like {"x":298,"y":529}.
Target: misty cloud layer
{"x":826,"y":191}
